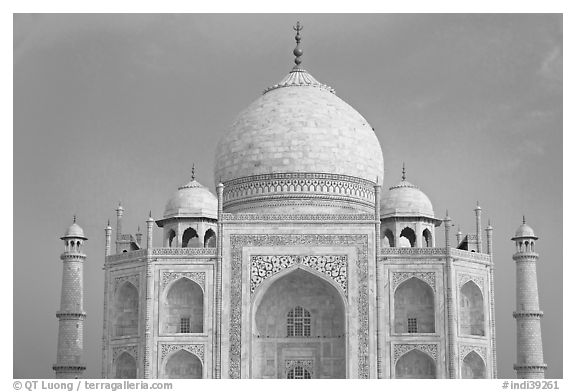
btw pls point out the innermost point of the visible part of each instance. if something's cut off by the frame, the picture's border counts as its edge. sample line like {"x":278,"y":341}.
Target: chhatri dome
{"x":298,"y":130}
{"x":192,"y":200}
{"x":74,"y":231}
{"x":406,"y":199}
{"x":524,"y":231}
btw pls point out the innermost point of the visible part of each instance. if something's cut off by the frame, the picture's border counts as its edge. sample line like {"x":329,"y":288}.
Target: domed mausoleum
{"x":296,"y":266}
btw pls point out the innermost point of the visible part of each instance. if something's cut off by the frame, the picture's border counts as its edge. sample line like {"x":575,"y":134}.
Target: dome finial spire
{"x":74,"y":218}
{"x":403,"y":171}
{"x":298,"y":52}
{"x":192,"y":174}
{"x":523,"y":219}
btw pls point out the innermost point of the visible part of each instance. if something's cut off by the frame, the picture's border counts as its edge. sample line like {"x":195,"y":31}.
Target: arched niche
{"x":471,"y":310}
{"x":426,"y":239}
{"x":473,"y":366}
{"x":407,"y":238}
{"x":210,"y":239}
{"x":126,"y":310}
{"x":125,"y":366}
{"x":183,"y":310}
{"x":190,"y":239}
{"x":298,"y":372}
{"x":295,"y":299}
{"x":414,"y":307}
{"x":415,"y":364}
{"x":183,"y":364}
{"x":171,"y":236}
{"x":388,"y":239}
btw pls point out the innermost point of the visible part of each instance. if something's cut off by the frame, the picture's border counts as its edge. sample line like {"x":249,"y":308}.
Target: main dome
{"x":298,"y":129}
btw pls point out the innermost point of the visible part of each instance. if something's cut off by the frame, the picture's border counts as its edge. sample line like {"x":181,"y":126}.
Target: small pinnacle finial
{"x":108,"y":223}
{"x":193,"y":175}
{"x":459,"y":229}
{"x":404,"y":172}
{"x":138,"y":228}
{"x":298,"y":52}
{"x":489,"y":224}
{"x":74,"y":218}
{"x":523,"y":219}
{"x":150,"y":214}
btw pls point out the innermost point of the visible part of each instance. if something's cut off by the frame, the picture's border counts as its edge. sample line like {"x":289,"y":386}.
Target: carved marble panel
{"x":428,"y":277}
{"x":465,"y":278}
{"x":307,"y":364}
{"x":131,"y":349}
{"x":466,"y":349}
{"x":168,"y":277}
{"x":333,"y":266}
{"x":168,"y":348}
{"x":119,"y":280}
{"x":401,"y":349}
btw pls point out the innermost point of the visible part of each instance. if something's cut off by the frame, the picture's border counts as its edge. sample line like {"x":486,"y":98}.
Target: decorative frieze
{"x":183,"y":251}
{"x":240,"y":241}
{"x":127,"y":256}
{"x":299,"y":183}
{"x":264,"y":266}
{"x":428,"y":277}
{"x":467,"y":349}
{"x":414,"y":251}
{"x":131,"y":349}
{"x":401,"y":349}
{"x":465,"y":278}
{"x":134,"y":279}
{"x":307,"y":364}
{"x":170,"y":276}
{"x":167,"y":349}
{"x":227,"y":217}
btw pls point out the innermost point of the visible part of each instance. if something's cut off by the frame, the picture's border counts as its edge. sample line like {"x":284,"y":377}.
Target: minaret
{"x":149,"y":228}
{"x":458,"y":236}
{"x":119,"y":213}
{"x":69,"y":359}
{"x":529,"y":356}
{"x":478,"y":211}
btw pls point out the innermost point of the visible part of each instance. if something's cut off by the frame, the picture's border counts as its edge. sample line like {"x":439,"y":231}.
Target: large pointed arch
{"x":183,"y":364}
{"x":473,"y":366}
{"x":190,"y":239}
{"x":210,"y":239}
{"x":126,"y":310}
{"x":298,"y":298}
{"x":415,"y":364}
{"x":414,"y":310}
{"x":126,"y":366}
{"x":183,"y":307}
{"x":472,"y":318}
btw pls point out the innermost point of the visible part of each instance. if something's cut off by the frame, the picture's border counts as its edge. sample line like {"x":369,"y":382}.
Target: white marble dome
{"x":74,"y":231}
{"x":192,"y":200}
{"x":525,"y":231}
{"x":299,"y":126}
{"x":406,"y":199}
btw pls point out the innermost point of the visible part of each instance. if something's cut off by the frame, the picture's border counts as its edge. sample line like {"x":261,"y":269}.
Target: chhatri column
{"x":478,"y":211}
{"x":69,"y":358}
{"x":529,"y":355}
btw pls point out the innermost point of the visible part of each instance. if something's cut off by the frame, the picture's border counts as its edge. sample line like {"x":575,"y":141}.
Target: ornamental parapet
{"x":533,"y":314}
{"x":76,"y":256}
{"x":68,"y":366}
{"x":183,"y":252}
{"x":125,"y":256}
{"x":62,"y":315}
{"x":525,"y":256}
{"x":540,"y":367}
{"x":435,"y":252}
{"x":470,"y":256}
{"x":317,"y":218}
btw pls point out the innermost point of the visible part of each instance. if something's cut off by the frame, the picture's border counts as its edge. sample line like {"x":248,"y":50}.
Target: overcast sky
{"x":119,"y":107}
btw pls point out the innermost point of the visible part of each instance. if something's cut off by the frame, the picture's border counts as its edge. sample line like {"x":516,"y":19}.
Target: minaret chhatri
{"x":69,"y":358}
{"x":529,"y":356}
